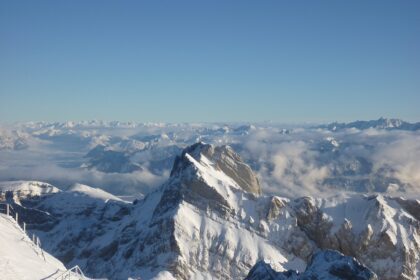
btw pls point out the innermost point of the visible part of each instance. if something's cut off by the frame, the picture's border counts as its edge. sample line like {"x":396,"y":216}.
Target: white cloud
{"x":293,"y":164}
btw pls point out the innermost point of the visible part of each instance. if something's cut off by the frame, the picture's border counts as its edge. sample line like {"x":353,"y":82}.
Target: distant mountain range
{"x":381,"y":123}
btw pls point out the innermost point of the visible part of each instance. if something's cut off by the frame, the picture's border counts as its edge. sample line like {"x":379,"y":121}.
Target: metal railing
{"x":73,"y":273}
{"x":11,"y":212}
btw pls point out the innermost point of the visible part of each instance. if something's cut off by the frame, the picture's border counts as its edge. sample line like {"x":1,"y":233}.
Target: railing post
{"x":7,"y":211}
{"x":17,"y":218}
{"x":24,"y":227}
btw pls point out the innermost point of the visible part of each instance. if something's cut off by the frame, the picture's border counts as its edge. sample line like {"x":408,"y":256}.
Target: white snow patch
{"x":19,"y":257}
{"x":93,"y":192}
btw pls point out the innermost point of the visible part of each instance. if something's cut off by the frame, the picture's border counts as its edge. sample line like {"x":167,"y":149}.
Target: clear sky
{"x":176,"y":61}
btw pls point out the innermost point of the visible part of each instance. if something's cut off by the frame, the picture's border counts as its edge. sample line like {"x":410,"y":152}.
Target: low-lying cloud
{"x":293,"y":162}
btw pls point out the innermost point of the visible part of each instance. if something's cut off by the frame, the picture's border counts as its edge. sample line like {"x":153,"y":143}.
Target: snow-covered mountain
{"x":25,"y":189}
{"x":14,"y":139}
{"x":110,"y":161}
{"x":212,"y":220}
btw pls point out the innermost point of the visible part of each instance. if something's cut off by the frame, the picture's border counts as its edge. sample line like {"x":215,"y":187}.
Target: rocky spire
{"x":223,"y":159}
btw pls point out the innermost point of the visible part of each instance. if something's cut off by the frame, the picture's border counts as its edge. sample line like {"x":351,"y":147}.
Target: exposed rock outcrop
{"x":327,"y":264}
{"x":382,"y":232}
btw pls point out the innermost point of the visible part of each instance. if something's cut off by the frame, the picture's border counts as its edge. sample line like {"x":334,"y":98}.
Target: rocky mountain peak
{"x":221,"y":158}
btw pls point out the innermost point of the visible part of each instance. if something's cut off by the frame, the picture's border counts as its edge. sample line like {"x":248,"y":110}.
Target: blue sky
{"x":191,"y":61}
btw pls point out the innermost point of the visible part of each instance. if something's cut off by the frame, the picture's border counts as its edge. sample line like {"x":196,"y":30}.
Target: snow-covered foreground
{"x":20,"y":258}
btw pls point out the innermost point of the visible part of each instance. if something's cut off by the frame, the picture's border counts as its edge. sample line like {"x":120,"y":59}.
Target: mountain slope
{"x":92,"y":192}
{"x":19,"y":256}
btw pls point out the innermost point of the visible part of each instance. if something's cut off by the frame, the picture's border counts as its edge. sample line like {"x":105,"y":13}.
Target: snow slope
{"x":92,"y":192}
{"x":20,"y":258}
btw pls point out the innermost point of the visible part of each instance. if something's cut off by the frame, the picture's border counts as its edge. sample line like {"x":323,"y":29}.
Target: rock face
{"x":209,"y":220}
{"x":380,"y":231}
{"x":327,"y":264}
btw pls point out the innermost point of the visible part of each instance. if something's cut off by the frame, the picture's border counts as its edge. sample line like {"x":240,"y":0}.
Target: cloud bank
{"x":290,"y":161}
